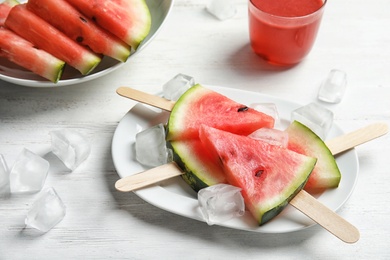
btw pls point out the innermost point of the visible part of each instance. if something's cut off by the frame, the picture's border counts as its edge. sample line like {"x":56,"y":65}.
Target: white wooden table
{"x":102,"y":223}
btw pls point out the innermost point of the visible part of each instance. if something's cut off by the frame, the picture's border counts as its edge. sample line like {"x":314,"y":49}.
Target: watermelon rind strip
{"x":273,"y":212}
{"x":326,"y":173}
{"x":198,"y":174}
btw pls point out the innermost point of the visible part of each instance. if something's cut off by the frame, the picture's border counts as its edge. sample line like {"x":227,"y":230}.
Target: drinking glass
{"x":283,"y":38}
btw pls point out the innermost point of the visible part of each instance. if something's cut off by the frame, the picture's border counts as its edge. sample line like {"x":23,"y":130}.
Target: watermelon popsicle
{"x":157,"y":171}
{"x":336,"y":145}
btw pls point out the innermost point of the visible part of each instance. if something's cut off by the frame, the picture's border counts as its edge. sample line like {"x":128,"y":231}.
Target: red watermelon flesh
{"x":129,"y":20}
{"x":269,"y":176}
{"x":81,"y":29}
{"x":23,"y":53}
{"x":5,"y":8}
{"x":200,"y":105}
{"x":44,"y":36}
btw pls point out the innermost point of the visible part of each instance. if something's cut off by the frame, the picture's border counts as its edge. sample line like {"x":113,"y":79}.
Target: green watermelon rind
{"x":197,"y":173}
{"x":145,"y":25}
{"x":267,"y":215}
{"x":11,"y":2}
{"x":176,"y":115}
{"x":326,"y":173}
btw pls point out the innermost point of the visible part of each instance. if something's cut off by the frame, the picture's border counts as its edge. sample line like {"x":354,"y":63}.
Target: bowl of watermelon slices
{"x":83,"y":42}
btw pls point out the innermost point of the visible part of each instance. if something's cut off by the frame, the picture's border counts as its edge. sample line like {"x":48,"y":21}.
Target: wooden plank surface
{"x":102,"y":223}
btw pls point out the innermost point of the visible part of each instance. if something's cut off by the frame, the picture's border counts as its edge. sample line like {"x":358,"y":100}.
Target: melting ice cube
{"x":150,"y":146}
{"x":176,"y":87}
{"x":221,"y":202}
{"x":29,"y":172}
{"x":268,"y":109}
{"x":271,"y":136}
{"x":316,"y":117}
{"x":222,"y":9}
{"x":47,"y":211}
{"x":333,"y":87}
{"x":4,"y":178}
{"x":71,"y":147}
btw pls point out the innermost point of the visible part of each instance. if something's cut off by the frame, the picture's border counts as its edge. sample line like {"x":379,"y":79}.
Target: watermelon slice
{"x":81,"y":29}
{"x":200,"y":105}
{"x":326,"y":173}
{"x":44,"y":36}
{"x":23,"y":53}
{"x":200,"y":169}
{"x":269,"y":176}
{"x":129,"y":20}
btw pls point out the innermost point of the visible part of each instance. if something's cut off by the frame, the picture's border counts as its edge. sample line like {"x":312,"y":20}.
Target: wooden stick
{"x":148,"y":177}
{"x":146,"y":98}
{"x":355,"y":138}
{"x":325,"y":217}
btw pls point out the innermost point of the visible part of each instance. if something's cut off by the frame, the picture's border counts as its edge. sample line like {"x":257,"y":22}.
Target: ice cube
{"x":46,"y":212}
{"x":333,"y":87}
{"x":150,"y":146}
{"x":268,"y":109}
{"x":29,"y":172}
{"x":271,"y":136}
{"x":222,"y":9}
{"x":4,"y":178}
{"x":176,"y":86}
{"x":70,"y":146}
{"x":316,"y":117}
{"x":221,"y":202}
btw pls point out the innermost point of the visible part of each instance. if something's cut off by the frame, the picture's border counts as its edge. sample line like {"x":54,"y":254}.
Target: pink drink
{"x":283,"y":31}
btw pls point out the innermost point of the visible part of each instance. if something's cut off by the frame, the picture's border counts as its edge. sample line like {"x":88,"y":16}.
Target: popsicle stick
{"x":148,"y":177}
{"x":355,"y":138}
{"x":146,"y":98}
{"x":325,"y":217}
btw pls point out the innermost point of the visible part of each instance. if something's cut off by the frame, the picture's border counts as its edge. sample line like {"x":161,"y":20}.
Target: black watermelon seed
{"x":243,"y":109}
{"x":259,"y":173}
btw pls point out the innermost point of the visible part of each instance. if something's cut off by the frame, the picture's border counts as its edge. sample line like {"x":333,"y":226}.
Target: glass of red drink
{"x":283,"y":31}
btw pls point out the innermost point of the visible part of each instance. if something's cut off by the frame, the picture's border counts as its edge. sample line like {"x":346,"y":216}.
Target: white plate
{"x":15,"y":74}
{"x":176,"y":196}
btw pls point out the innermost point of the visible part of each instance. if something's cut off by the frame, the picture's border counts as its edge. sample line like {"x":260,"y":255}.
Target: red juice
{"x":283,"y":31}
